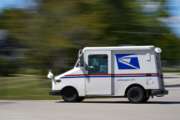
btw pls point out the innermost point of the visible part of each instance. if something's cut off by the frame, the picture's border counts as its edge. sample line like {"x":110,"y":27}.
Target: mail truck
{"x":123,"y":71}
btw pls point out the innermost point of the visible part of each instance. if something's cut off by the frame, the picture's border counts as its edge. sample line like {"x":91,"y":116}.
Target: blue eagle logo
{"x":127,"y":61}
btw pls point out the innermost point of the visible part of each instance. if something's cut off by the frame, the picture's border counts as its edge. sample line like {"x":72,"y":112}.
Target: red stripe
{"x":130,"y":74}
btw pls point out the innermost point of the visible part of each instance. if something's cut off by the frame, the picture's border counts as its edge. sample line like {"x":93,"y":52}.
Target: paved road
{"x":172,"y":79}
{"x":165,"y":108}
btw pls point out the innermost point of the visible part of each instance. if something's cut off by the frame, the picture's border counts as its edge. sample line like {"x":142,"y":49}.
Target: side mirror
{"x":88,"y":68}
{"x":50,"y":75}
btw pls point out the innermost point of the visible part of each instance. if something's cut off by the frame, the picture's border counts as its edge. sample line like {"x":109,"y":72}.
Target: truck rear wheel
{"x":70,"y":94}
{"x":146,"y":99}
{"x":136,"y":94}
{"x":80,"y":99}
{"x":147,"y":96}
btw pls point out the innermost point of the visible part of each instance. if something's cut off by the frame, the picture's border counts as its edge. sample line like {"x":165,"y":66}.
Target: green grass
{"x":33,"y":87}
{"x":25,"y":87}
{"x":171,"y":69}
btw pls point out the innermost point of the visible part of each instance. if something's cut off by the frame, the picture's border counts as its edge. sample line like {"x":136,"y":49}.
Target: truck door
{"x":98,"y":80}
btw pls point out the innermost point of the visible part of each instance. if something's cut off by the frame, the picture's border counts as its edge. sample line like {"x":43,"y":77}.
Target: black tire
{"x":136,"y":94}
{"x":70,"y":95}
{"x":146,"y":98}
{"x":80,"y":99}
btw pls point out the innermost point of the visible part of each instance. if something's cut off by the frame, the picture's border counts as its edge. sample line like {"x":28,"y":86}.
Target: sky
{"x":16,"y":4}
{"x":174,"y":20}
{"x":173,"y":5}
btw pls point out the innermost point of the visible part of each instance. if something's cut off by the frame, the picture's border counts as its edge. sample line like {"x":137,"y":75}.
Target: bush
{"x":8,"y":67}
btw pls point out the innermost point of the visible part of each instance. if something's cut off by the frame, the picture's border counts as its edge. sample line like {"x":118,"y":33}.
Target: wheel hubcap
{"x":134,"y":95}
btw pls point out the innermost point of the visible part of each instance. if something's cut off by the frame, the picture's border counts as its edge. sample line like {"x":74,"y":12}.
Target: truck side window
{"x":99,"y":64}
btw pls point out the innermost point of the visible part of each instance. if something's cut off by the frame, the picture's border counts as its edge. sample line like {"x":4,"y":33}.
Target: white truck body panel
{"x":147,"y":65}
{"x":69,"y":79}
{"x":126,"y":65}
{"x":97,"y":84}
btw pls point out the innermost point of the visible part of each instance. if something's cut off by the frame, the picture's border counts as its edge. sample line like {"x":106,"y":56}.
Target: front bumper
{"x":55,"y":93}
{"x":159,"y":93}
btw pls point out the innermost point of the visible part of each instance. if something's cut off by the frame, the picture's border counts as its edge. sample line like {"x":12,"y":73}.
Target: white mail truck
{"x":124,"y":71}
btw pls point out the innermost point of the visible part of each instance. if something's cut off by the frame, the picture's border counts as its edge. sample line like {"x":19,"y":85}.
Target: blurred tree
{"x":132,"y":22}
{"x":55,"y":27}
{"x":54,"y":32}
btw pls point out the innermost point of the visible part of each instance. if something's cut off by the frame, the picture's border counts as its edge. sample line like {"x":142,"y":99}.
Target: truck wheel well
{"x":133,"y":85}
{"x":68,"y":88}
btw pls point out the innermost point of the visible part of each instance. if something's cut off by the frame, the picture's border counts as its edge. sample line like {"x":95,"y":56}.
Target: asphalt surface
{"x":172,"y":79}
{"x":158,"y":108}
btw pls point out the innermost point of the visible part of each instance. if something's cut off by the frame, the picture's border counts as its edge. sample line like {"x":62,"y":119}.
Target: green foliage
{"x":59,"y":27}
{"x":8,"y":67}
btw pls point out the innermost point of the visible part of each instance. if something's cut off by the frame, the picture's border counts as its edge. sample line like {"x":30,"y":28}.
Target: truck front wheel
{"x":70,"y":94}
{"x":136,"y":94}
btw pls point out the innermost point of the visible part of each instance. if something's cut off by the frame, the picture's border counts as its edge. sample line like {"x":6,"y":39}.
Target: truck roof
{"x":120,"y":48}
